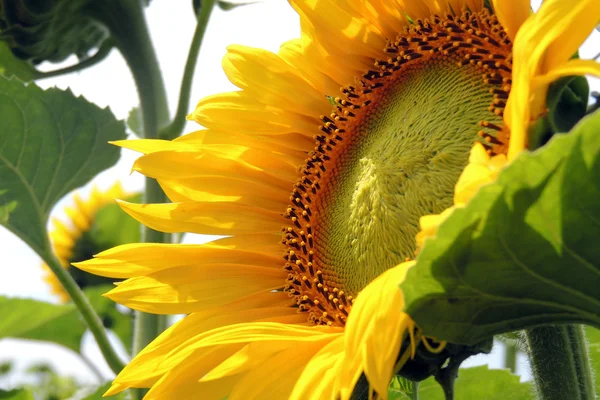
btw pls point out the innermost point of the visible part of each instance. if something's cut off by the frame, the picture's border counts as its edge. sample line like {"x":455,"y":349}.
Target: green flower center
{"x":402,"y":162}
{"x":390,"y":153}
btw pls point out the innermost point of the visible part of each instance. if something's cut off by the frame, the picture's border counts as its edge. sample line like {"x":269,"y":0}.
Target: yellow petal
{"x":271,"y":80}
{"x":153,"y":361}
{"x":276,"y":377}
{"x":318,"y":379}
{"x":511,"y":14}
{"x":572,"y":67}
{"x":141,"y":259}
{"x":165,"y":165}
{"x":240,"y":111}
{"x":191,"y":289}
{"x":207,"y":218}
{"x":374,"y":333}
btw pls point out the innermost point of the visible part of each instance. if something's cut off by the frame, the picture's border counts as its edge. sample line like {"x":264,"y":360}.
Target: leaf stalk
{"x":90,"y":317}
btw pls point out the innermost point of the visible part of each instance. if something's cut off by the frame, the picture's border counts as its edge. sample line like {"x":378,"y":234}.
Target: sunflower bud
{"x":49,"y":30}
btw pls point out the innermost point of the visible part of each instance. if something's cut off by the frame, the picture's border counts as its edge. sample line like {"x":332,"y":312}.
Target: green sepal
{"x":522,"y":252}
{"x":567,"y":101}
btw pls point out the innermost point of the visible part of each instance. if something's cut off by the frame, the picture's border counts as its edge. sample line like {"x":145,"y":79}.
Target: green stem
{"x":100,"y":55}
{"x":90,"y":317}
{"x":510,"y":356}
{"x":414,"y":393}
{"x":583,"y":365}
{"x":559,"y":363}
{"x":175,"y":128}
{"x":127,"y":24}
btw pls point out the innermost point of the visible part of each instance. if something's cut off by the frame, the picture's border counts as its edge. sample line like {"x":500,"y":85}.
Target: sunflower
{"x":81,"y":237}
{"x":304,"y":311}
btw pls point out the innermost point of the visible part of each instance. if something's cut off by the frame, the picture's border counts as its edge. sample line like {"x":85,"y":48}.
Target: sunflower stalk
{"x":127,"y":23}
{"x":89,"y":315}
{"x":560,"y":362}
{"x":175,"y":128}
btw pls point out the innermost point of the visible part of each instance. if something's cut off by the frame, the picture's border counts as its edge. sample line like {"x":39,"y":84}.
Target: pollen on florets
{"x":472,"y":40}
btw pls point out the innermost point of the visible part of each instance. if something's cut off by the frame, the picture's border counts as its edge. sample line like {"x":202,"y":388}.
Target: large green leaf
{"x":480,"y":383}
{"x":16,"y":394}
{"x":522,"y":253}
{"x":10,"y":65}
{"x":51,"y":142}
{"x":37,"y":320}
{"x":60,"y":323}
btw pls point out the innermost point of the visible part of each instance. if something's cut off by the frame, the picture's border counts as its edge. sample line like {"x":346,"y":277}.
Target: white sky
{"x":172,"y":23}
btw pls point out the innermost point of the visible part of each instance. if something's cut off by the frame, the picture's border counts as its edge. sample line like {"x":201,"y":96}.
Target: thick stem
{"x":583,"y":365}
{"x":175,"y":128}
{"x":559,"y":363}
{"x":90,"y":317}
{"x":127,"y":24}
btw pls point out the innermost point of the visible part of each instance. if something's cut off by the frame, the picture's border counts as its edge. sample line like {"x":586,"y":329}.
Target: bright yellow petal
{"x":207,"y":218}
{"x":143,"y":259}
{"x":511,"y":14}
{"x":154,"y":360}
{"x":318,"y":379}
{"x":191,"y":289}
{"x":374,"y":333}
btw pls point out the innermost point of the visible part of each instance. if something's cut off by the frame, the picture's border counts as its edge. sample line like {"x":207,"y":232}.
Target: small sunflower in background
{"x":93,"y":225}
{"x":323,"y":194}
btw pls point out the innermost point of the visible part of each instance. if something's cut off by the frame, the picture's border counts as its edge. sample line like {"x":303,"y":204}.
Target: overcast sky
{"x":172,"y":23}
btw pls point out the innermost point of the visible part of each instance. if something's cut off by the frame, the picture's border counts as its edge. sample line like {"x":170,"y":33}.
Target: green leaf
{"x":61,"y":323}
{"x":134,"y":121}
{"x":593,"y":337}
{"x":37,"y":320}
{"x":51,"y":142}
{"x":480,"y":383}
{"x":121,"y":324}
{"x":13,"y":66}
{"x":16,"y":394}
{"x":522,"y":253}
{"x":97,"y":395}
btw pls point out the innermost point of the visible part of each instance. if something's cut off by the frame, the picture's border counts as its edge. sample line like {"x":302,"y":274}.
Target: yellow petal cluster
{"x":243,"y":337}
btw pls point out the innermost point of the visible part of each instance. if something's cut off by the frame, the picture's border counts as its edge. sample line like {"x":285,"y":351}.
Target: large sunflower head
{"x":93,"y":225}
{"x":322,"y":192}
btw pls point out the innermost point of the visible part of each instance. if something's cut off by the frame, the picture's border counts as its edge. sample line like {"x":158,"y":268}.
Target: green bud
{"x":52,"y":30}
{"x":49,"y":30}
